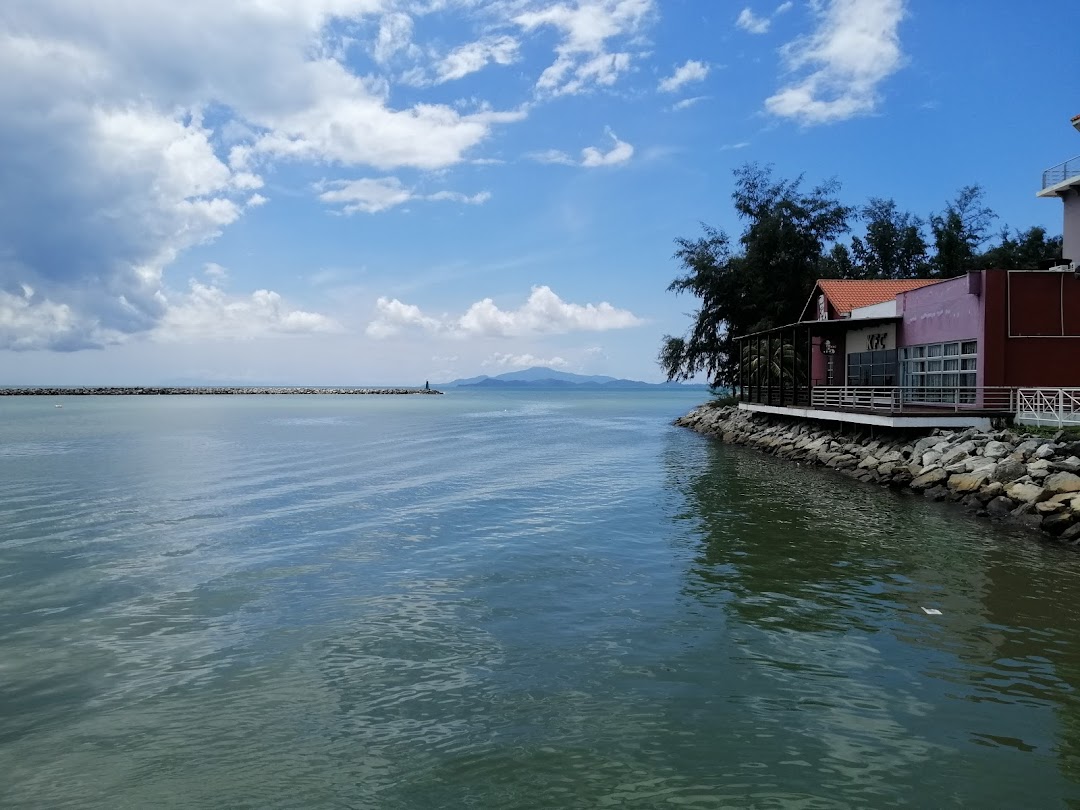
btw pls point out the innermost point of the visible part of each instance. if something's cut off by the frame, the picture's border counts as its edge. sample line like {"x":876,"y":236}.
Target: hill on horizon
{"x":539,"y":376}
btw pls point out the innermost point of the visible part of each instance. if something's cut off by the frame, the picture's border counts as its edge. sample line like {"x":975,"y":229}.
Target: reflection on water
{"x":504,"y":600}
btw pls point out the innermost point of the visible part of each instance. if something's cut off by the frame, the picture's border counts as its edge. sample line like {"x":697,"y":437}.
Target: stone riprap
{"x":99,"y":391}
{"x":1002,"y":475}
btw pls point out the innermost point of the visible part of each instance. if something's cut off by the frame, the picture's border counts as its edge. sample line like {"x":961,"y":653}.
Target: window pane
{"x":967,"y":380}
{"x":933,"y":380}
{"x":968,"y":364}
{"x":933,"y":365}
{"x":952,"y":365}
{"x":903,"y":354}
{"x":950,"y":380}
{"x":934,"y":351}
{"x":919,"y":366}
{"x":952,"y":349}
{"x":969,"y":347}
{"x":918,"y":351}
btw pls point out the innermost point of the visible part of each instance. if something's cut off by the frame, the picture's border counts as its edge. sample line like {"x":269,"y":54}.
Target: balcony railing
{"x":1061,"y":172}
{"x":1050,"y":407}
{"x":910,"y":400}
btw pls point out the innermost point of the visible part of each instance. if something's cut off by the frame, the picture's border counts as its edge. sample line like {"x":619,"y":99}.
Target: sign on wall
{"x":878,"y":338}
{"x":822,"y":308}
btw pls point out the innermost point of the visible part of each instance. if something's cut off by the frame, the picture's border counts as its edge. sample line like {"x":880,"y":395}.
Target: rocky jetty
{"x":1000,"y":475}
{"x":98,"y":391}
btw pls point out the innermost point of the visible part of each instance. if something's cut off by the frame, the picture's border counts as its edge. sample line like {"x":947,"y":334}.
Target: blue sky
{"x":389,"y":191}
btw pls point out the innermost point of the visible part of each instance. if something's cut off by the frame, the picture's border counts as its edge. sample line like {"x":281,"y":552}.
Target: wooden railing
{"x":1053,"y":407}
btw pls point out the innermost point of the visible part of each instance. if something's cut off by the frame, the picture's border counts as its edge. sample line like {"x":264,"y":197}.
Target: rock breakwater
{"x":99,"y":391}
{"x":999,"y":475}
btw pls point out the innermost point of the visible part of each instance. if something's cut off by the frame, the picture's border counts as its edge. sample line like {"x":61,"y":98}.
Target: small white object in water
{"x":931,"y":611}
{"x":58,"y":406}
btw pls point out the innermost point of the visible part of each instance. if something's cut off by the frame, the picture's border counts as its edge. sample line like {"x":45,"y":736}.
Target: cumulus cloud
{"x":136,"y":131}
{"x":620,"y":152}
{"x":583,"y":60}
{"x":475,"y":56}
{"x":692,"y":71}
{"x":591,"y":156}
{"x":371,"y":195}
{"x":207,"y":312}
{"x":111,"y":170}
{"x":523,"y":361}
{"x":543,"y":313}
{"x":751,"y":23}
{"x":854,"y":49}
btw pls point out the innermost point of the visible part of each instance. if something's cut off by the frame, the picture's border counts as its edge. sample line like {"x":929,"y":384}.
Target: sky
{"x":351,"y":192}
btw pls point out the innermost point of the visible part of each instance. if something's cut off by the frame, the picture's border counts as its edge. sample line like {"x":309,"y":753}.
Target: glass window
{"x":968,"y":363}
{"x":952,"y":349}
{"x":968,"y":347}
{"x":948,"y":378}
{"x":952,"y":364}
{"x":933,"y":365}
{"x":934,"y":350}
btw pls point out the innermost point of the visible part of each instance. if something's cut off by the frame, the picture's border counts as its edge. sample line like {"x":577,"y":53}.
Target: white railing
{"x":1050,"y":407}
{"x":907,"y":399}
{"x":1061,"y":172}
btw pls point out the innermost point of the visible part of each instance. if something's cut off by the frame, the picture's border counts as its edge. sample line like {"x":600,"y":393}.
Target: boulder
{"x":999,"y":507}
{"x":1038,"y":464}
{"x":1071,"y":534}
{"x":1026,"y":493}
{"x":1062,"y":482}
{"x":958,"y":453}
{"x":1071,"y":464}
{"x":995,"y":449}
{"x":930,"y":458}
{"x":1057,"y":523}
{"x":1044,"y":451}
{"x":891,"y":457}
{"x":1008,"y":470}
{"x":1028,"y":447}
{"x":1050,"y":507}
{"x":938,"y":493}
{"x":928,"y":478}
{"x":991,"y":491}
{"x":964,"y":483}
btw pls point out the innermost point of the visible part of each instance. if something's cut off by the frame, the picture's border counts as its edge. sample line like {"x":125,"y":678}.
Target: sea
{"x":519,"y":599}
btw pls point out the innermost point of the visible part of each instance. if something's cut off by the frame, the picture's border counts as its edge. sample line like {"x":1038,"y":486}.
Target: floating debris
{"x":931,"y":611}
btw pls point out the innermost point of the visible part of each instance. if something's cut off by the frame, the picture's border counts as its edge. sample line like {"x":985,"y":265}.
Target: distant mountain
{"x":539,"y":377}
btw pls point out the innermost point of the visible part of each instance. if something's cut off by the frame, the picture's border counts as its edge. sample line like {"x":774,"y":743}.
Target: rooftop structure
{"x":1063,"y":180}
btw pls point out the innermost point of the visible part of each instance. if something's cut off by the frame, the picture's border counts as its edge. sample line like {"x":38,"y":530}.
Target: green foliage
{"x":1022,"y":252}
{"x":893,"y":246}
{"x":763,"y":285}
{"x":792,"y":237}
{"x":959,"y":231}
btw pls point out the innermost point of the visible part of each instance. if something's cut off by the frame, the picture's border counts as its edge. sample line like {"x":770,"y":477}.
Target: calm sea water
{"x":504,"y":601}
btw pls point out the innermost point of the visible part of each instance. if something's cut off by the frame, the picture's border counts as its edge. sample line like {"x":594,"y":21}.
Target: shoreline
{"x":136,"y":391}
{"x":1000,"y":475}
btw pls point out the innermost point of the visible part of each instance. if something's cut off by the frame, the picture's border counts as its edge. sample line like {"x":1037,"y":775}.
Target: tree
{"x":1024,"y":252}
{"x":893,"y":246}
{"x":764,"y":284}
{"x":837,"y":263}
{"x":959,"y":231}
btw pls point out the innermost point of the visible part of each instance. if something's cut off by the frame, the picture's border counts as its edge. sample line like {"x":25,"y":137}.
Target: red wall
{"x":1032,"y":329}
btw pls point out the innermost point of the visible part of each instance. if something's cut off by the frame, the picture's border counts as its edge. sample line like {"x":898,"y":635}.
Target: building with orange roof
{"x":925,"y":352}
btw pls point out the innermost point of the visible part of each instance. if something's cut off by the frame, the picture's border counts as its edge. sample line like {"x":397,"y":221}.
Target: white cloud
{"x":751,"y":23}
{"x":727,"y":147}
{"x":371,"y":195}
{"x":475,"y":56}
{"x":591,"y":156}
{"x":620,"y":152}
{"x":854,"y":49}
{"x":783,"y":8}
{"x":206,"y":312}
{"x":583,"y":60}
{"x":523,"y":361}
{"x":395,"y":36}
{"x":692,"y":71}
{"x":543,"y":312}
{"x":687,"y":103}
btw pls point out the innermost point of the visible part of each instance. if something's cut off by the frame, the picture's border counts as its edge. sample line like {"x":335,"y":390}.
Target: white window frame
{"x":940,"y":372}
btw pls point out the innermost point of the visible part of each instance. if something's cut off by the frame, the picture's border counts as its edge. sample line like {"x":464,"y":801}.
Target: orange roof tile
{"x":848,"y":294}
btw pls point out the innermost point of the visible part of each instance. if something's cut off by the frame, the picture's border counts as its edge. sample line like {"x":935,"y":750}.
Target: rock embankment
{"x":98,"y":391}
{"x":1001,"y":475}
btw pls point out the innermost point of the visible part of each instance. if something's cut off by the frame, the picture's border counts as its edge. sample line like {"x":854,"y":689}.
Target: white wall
{"x":1071,"y":248}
